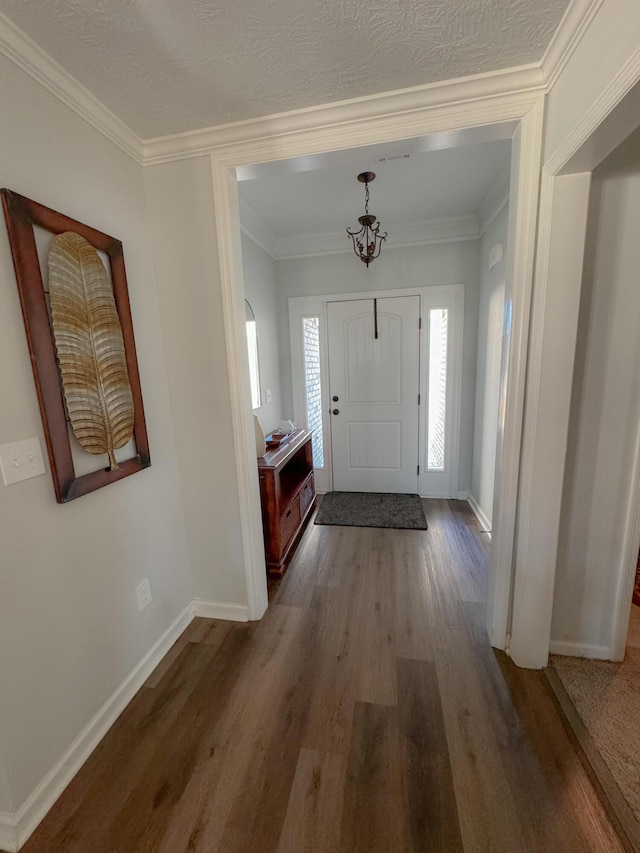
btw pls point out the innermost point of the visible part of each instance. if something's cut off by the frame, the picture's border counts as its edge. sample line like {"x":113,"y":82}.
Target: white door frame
{"x":449,"y":295}
{"x":379,"y":120}
{"x":564,"y":204}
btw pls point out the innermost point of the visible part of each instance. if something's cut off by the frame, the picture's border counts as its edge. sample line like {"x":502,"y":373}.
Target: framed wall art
{"x":78,"y":323}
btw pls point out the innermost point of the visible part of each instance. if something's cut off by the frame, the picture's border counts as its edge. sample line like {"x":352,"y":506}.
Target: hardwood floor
{"x":365,"y":712}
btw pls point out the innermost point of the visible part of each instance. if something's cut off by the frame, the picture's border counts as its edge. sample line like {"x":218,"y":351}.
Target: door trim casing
{"x":525,"y":111}
{"x":307,"y":306}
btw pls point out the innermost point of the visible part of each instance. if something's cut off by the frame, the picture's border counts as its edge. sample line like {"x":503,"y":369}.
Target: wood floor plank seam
{"x":365,"y":712}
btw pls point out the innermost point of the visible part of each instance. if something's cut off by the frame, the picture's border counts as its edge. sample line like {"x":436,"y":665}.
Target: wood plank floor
{"x":365,"y":712}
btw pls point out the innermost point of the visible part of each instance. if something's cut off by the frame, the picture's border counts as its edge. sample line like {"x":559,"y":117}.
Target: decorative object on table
{"x":82,"y":345}
{"x":261,"y":445}
{"x":367,"y":241}
{"x":368,"y":509}
{"x":276,"y":438}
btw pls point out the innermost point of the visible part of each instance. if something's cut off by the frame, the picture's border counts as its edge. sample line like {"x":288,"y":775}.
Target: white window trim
{"x":299,"y":308}
{"x":449,"y":296}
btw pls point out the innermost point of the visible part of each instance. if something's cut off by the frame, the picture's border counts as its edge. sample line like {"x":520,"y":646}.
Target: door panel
{"x":374,"y":421}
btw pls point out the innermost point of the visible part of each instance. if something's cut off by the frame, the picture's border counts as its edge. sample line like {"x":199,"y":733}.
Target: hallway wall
{"x":70,"y":628}
{"x":488,"y":365}
{"x":260,"y":288}
{"x":182,"y":221}
{"x":605,"y":408}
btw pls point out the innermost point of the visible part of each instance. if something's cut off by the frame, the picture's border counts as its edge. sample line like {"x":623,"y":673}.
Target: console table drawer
{"x":289,"y":523}
{"x":307,"y":494}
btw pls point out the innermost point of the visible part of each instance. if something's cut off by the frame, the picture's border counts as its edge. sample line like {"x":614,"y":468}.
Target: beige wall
{"x":605,"y":407}
{"x":181,"y":215}
{"x":488,"y":364}
{"x":70,"y":629}
{"x":603,"y":57}
{"x":601,"y":54}
{"x":260,"y":288}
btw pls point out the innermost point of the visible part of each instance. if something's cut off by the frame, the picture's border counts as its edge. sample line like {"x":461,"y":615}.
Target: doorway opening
{"x":520,"y":122}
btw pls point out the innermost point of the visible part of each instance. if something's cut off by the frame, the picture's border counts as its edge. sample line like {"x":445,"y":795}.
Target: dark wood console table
{"x":288,"y":498}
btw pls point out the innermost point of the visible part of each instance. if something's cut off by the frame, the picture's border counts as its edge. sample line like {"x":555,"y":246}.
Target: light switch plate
{"x":21,"y":460}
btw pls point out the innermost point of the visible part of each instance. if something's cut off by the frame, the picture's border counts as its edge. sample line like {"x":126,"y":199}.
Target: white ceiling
{"x":167,"y":66}
{"x":414,"y":184}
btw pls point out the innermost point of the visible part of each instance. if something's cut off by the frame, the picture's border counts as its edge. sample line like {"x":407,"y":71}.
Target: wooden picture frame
{"x":21,"y":215}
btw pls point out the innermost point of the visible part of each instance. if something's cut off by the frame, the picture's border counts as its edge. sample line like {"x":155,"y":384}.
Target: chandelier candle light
{"x":367,"y":242}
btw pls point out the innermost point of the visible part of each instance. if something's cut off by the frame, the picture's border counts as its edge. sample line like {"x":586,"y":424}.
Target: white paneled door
{"x":374,"y":364}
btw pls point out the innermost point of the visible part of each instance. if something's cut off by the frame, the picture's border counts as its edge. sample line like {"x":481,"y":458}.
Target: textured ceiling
{"x":166,"y":66}
{"x":411,"y":185}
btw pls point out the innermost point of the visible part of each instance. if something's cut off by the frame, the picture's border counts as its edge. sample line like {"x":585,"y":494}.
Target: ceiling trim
{"x":27,"y":55}
{"x":450,"y":229}
{"x":568,"y":35}
{"x":334,"y":116}
{"x":533,"y":78}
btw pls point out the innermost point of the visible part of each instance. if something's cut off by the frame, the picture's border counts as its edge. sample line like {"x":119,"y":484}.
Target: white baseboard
{"x":463,"y":496}
{"x":480,"y":515}
{"x":221,"y":610}
{"x":8,"y":833}
{"x":580,"y":650}
{"x":16,"y":829}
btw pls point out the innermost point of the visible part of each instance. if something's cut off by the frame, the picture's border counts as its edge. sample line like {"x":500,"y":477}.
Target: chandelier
{"x":367,"y":242}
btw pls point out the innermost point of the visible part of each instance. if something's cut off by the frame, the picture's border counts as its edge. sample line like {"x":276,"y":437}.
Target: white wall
{"x":412,"y":266}
{"x":605,"y":407}
{"x":489,"y":359}
{"x":602,"y":66}
{"x":181,"y":215}
{"x":603,"y":52}
{"x":70,"y":629}
{"x":260,"y":289}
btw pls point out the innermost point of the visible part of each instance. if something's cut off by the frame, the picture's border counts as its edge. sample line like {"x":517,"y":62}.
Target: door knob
{"x":335,"y":399}
{"x":336,"y":411}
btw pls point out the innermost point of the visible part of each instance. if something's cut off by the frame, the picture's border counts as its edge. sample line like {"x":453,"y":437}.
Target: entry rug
{"x":366,"y":509}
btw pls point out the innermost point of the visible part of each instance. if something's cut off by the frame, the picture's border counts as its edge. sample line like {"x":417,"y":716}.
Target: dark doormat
{"x":366,"y":509}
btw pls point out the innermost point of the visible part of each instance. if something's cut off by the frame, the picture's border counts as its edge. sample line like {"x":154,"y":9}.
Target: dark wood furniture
{"x":288,"y":497}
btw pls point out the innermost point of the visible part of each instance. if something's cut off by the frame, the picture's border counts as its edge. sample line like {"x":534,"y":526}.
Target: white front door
{"x":374,"y":365}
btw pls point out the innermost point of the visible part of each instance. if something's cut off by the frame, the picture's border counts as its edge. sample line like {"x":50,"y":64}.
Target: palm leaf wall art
{"x":84,"y":361}
{"x":90,"y":347}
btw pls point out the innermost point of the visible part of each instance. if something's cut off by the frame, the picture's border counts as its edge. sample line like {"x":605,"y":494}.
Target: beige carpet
{"x":607,"y":697}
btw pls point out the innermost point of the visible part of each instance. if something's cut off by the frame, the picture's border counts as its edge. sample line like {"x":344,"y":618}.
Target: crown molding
{"x":450,"y":229}
{"x":27,"y":55}
{"x":333,"y":116}
{"x":618,"y":88}
{"x":568,"y":35}
{"x":261,"y":132}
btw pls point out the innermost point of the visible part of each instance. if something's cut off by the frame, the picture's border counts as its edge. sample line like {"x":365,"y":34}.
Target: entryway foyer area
{"x":396,"y":366}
